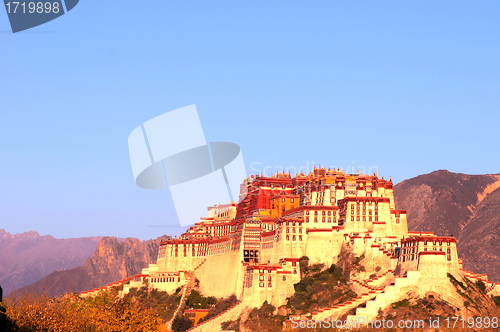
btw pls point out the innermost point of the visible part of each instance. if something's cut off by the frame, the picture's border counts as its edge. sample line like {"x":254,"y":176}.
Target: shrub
{"x":373,"y":275}
{"x":455,"y":282}
{"x":181,"y":324}
{"x":496,"y":299}
{"x":316,"y":267}
{"x":400,"y":304}
{"x":6,"y":324}
{"x":378,"y":268}
{"x":104,"y":312}
{"x":197,"y":301}
{"x":263,"y":319}
{"x":221,"y":306}
{"x":480,"y":284}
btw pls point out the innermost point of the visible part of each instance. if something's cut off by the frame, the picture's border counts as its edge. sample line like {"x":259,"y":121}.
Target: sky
{"x":403,"y":88}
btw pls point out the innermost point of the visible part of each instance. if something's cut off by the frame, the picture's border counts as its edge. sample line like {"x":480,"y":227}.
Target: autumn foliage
{"x":105,"y":312}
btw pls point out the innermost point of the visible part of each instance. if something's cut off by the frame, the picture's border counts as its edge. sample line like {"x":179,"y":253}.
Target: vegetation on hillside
{"x":260,"y":319}
{"x":104,"y":312}
{"x":158,"y":301}
{"x":319,"y":288}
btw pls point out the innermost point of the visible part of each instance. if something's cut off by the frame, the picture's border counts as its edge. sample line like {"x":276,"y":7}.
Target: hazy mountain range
{"x":112,"y":260}
{"x":465,"y":206}
{"x":28,"y":257}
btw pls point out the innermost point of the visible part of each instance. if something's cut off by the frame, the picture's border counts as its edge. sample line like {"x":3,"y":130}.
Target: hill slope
{"x":27,"y":257}
{"x":112,"y":261}
{"x":465,"y":206}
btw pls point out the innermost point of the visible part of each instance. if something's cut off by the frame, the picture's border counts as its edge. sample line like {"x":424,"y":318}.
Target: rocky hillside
{"x":113,"y":260}
{"x":465,"y":206}
{"x":27,"y":257}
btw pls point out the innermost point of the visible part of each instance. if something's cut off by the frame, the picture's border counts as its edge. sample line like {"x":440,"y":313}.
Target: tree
{"x":181,"y":324}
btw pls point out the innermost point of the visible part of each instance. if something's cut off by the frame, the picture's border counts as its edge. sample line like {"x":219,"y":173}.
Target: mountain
{"x":465,"y":206}
{"x":27,"y":257}
{"x":113,"y":260}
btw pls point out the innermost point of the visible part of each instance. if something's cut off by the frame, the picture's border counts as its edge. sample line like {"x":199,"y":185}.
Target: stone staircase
{"x":391,"y":294}
{"x":337,"y":310}
{"x":186,"y":290}
{"x":368,"y":289}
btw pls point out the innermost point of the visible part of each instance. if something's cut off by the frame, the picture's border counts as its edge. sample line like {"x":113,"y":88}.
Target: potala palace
{"x":252,"y":248}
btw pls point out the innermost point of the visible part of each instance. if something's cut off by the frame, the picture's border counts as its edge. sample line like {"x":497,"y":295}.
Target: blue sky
{"x":406,"y":87}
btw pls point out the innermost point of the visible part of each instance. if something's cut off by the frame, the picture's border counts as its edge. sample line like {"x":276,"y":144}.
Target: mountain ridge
{"x":29,"y":256}
{"x":112,"y":261}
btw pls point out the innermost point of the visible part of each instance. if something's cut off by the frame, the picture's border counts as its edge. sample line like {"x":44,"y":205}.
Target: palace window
{"x":352,"y":218}
{"x":284,"y":278}
{"x":294,"y":263}
{"x":364,"y":218}
{"x":291,"y":200}
{"x":324,"y":219}
{"x":425,"y":248}
{"x":293,"y":238}
{"x":315,"y":219}
{"x":261,"y":277}
{"x":370,"y":218}
{"x":448,"y":251}
{"x":329,"y":219}
{"x":449,"y":257}
{"x":307,"y":212}
{"x":448,"y":243}
{"x":270,"y":284}
{"x":300,"y":237}
{"x":288,"y":230}
{"x":288,"y":238}
{"x":397,"y":220}
{"x":315,"y":213}
{"x":269,"y":278}
{"x":357,"y":218}
{"x":300,"y":230}
{"x":329,"y":213}
{"x":261,"y":284}
{"x":283,"y":200}
{"x":294,"y":271}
